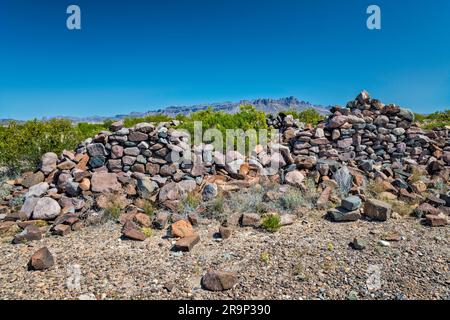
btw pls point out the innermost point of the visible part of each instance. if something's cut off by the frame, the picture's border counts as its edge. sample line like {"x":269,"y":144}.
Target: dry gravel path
{"x":311,"y":259}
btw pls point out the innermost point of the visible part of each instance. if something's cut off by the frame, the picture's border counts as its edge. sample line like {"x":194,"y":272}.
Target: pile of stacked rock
{"x":157,"y":163}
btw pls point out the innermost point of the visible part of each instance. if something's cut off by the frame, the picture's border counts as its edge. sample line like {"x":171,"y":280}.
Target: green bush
{"x":129,"y":121}
{"x":271,"y":223}
{"x":308,"y":116}
{"x":247,"y":118}
{"x":434,"y":120}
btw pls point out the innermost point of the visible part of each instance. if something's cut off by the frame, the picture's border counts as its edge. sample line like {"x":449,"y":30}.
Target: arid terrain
{"x":310,"y":259}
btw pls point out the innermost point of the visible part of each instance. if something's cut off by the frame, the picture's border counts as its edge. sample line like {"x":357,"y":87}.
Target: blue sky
{"x":137,"y":55}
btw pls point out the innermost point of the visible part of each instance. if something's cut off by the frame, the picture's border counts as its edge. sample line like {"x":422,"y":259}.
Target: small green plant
{"x":192,"y":200}
{"x":330,"y":246}
{"x":148,"y":208}
{"x":271,"y":223}
{"x":148,"y":232}
{"x":264,"y":257}
{"x":113,"y":211}
{"x":292,"y":199}
{"x":17,"y":201}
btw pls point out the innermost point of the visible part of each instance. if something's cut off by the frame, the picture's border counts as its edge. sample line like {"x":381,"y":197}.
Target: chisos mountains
{"x":266,"y":105}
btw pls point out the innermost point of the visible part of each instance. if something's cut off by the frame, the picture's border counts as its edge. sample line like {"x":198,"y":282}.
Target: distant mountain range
{"x":266,"y":105}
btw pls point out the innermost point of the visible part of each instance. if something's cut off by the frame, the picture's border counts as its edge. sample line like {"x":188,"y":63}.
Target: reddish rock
{"x":225,"y":232}
{"x":181,"y":229}
{"x":61,"y":230}
{"x":250,"y":220}
{"x":187,"y":243}
{"x":41,"y":260}
{"x":377,"y":210}
{"x":436,"y":221}
{"x":142,"y":219}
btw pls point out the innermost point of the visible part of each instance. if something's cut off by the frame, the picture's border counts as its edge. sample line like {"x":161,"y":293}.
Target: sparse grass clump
{"x":113,"y":211}
{"x":264,"y":257}
{"x":148,"y":208}
{"x":271,"y":223}
{"x":148,"y":232}
{"x":292,"y":199}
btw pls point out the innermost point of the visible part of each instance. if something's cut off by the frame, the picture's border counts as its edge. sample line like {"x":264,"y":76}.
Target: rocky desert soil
{"x":310,"y":259}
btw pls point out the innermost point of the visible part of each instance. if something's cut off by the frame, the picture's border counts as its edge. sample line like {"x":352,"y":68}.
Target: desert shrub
{"x":344,"y":180}
{"x":148,"y":208}
{"x":148,"y":232}
{"x":292,"y":199}
{"x":309,"y":116}
{"x":374,"y":188}
{"x":433,"y":120}
{"x":310,"y":194}
{"x":216,"y":208}
{"x":264,"y":257}
{"x":113,"y":211}
{"x":156,"y":118}
{"x":17,"y":201}
{"x":271,"y":222}
{"x":23,"y":144}
{"x":416,"y":175}
{"x":247,"y":118}
{"x":192,"y":200}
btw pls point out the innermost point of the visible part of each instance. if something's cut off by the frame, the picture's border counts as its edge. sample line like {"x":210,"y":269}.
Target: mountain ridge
{"x":268,"y":105}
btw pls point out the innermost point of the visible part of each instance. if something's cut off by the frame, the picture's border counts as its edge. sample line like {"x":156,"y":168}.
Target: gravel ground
{"x":311,"y":259}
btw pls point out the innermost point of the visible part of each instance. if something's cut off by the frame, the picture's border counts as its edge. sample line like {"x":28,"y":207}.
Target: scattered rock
{"x":219,"y":280}
{"x":41,"y":260}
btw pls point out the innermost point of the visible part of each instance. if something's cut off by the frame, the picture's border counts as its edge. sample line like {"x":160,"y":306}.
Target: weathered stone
{"x":137,"y":136}
{"x":103,"y":182}
{"x":219,"y":280}
{"x":160,"y":220}
{"x":46,"y":209}
{"x":343,"y":215}
{"x":142,"y":219}
{"x":30,"y":233}
{"x":131,"y":231}
{"x":181,"y":229}
{"x":210,"y":191}
{"x":377,"y":210}
{"x":32,"y":179}
{"x":61,"y":230}
{"x":41,"y":260}
{"x":225,"y":232}
{"x":48,"y":162}
{"x":294,"y":178}
{"x":37,"y":190}
{"x":351,"y":203}
{"x":359,"y":244}
{"x":436,"y":221}
{"x":250,"y":220}
{"x":187,"y":243}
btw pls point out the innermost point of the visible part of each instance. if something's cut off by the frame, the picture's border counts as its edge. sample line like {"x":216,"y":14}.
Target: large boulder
{"x":46,"y":209}
{"x":104,"y":182}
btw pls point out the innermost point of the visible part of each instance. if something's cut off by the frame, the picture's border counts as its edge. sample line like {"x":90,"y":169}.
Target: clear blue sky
{"x":137,"y":55}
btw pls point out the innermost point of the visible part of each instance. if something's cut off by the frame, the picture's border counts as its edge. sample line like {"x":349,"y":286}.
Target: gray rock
{"x":49,"y":162}
{"x":210,"y":191}
{"x":46,"y":209}
{"x":37,"y":190}
{"x":351,"y":203}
